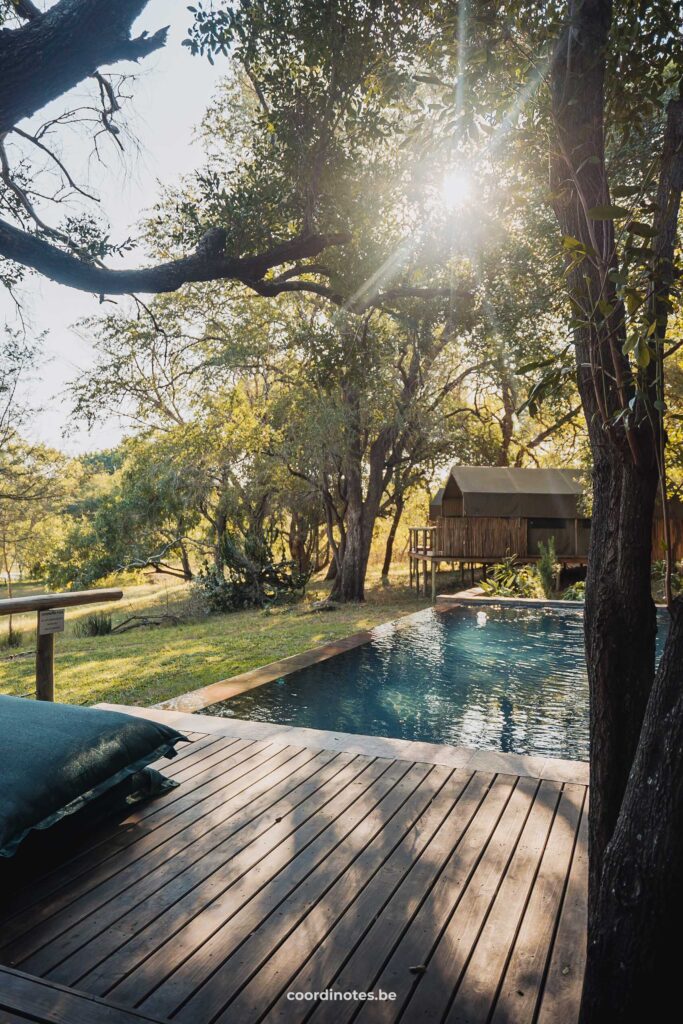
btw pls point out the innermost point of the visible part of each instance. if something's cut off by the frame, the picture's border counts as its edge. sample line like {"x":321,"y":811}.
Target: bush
{"x":249,"y":578}
{"x":547,"y":567}
{"x":658,"y":573}
{"x":511,"y":579}
{"x":576,"y":592}
{"x":94,"y":624}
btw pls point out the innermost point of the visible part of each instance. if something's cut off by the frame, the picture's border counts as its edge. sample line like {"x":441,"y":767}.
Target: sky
{"x":169,"y":99}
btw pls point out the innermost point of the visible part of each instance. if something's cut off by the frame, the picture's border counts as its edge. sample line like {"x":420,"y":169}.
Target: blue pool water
{"x":510,"y":679}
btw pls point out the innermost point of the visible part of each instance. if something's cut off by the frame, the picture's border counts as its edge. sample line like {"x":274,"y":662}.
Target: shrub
{"x":547,"y":567}
{"x":94,"y":624}
{"x":249,"y":578}
{"x":509,"y":578}
{"x":576,"y":592}
{"x":658,"y":573}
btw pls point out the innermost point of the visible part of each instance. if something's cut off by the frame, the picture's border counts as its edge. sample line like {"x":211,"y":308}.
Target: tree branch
{"x":26,"y":10}
{"x":55,"y":51}
{"x":208,"y":262}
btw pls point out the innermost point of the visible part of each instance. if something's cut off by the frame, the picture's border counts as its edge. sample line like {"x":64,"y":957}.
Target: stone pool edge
{"x":552,"y":769}
{"x":224,"y":689}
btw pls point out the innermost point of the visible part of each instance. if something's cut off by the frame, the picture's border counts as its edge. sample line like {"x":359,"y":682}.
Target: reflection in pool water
{"x":510,"y":679}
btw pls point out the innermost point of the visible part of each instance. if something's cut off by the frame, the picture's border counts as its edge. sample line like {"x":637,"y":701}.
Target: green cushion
{"x":55,"y":758}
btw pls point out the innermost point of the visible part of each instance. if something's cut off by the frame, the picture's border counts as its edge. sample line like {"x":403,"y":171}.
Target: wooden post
{"x":52,"y":607}
{"x":45,"y":664}
{"x":433,"y":580}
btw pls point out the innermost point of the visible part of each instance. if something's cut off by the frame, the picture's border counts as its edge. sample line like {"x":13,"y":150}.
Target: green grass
{"x":152,"y":664}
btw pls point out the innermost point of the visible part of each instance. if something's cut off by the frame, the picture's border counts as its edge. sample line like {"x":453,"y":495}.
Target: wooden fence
{"x":50,"y":620}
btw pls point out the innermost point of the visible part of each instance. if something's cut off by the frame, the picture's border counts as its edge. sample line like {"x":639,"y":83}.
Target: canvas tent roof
{"x":527,"y":493}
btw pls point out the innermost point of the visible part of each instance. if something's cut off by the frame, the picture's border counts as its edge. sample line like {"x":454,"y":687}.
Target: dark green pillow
{"x":55,"y":758}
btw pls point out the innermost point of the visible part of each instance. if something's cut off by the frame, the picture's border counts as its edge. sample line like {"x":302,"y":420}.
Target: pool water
{"x":503,"y":678}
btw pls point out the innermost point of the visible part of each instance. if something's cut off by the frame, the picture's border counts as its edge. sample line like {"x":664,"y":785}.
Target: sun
{"x":456,"y":189}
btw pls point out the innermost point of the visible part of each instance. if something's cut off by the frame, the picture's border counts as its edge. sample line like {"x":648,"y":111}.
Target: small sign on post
{"x":51,"y":621}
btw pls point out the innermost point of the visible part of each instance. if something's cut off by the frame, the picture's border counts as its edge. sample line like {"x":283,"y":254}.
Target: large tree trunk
{"x":188,"y":575}
{"x":633,"y":966}
{"x":507,"y":422}
{"x":636,"y":813}
{"x":220,"y":529}
{"x":349,"y":583}
{"x":57,"y":50}
{"x":619,"y":628}
{"x":619,"y":616}
{"x":361,"y":511}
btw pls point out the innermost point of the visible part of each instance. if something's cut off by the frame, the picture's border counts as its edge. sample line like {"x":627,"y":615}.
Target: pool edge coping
{"x":551,"y":769}
{"x":224,"y":689}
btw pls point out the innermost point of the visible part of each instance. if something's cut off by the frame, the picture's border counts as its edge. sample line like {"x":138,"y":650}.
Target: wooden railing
{"x":50,"y":620}
{"x":480,"y":537}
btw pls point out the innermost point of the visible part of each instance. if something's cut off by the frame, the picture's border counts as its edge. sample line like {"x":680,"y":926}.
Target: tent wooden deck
{"x":279,"y":868}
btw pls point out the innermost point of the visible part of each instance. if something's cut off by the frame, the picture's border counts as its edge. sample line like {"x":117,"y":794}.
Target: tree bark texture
{"x":620,"y":620}
{"x":54,"y":52}
{"x":633,"y":968}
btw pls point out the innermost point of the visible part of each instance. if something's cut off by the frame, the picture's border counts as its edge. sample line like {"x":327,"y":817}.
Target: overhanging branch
{"x":208,"y":262}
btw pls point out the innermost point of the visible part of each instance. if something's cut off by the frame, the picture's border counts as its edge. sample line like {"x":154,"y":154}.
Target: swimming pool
{"x":493,"y":677}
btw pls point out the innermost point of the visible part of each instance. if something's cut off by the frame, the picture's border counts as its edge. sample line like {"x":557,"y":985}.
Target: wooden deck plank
{"x":263,"y":846}
{"x":84,"y":918}
{"x":421,"y":934}
{"x":188,"y":767}
{"x":237,"y":948}
{"x":561,"y":994}
{"x":26,"y":999}
{"x":237,"y":904}
{"x":243,"y":780}
{"x":478,"y":986}
{"x":434,"y":987}
{"x":523,"y":979}
{"x":353,"y":952}
{"x":201,"y":741}
{"x":107,"y":856}
{"x":317,"y":917}
{"x":370,"y":929}
{"x":274,"y":869}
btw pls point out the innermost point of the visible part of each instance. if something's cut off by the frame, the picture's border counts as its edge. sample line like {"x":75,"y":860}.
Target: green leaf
{"x":636,"y":227}
{"x":608,"y":212}
{"x":643,"y":354}
{"x":625,"y":190}
{"x":535,"y":366}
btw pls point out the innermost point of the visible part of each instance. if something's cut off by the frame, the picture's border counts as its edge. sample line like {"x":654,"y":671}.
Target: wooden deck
{"x":276,"y":869}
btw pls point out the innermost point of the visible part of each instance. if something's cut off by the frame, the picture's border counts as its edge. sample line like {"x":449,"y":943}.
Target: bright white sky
{"x":169,"y":98}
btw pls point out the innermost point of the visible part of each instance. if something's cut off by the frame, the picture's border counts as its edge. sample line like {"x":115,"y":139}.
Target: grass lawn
{"x":148,"y":665}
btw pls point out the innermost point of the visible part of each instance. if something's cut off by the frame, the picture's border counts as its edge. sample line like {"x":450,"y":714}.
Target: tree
{"x":621,"y":291}
{"x":40,"y":60}
{"x":30,"y":496}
